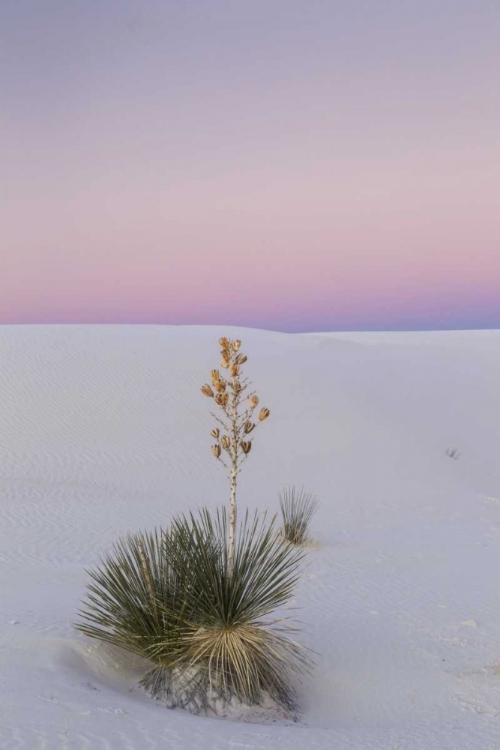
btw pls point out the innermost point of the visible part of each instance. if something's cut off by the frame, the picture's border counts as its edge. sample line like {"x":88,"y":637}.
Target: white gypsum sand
{"x":104,"y":431}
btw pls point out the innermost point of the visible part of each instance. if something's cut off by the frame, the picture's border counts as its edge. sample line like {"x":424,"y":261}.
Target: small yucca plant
{"x":204,"y":628}
{"x":238,"y":407}
{"x":297,"y":509}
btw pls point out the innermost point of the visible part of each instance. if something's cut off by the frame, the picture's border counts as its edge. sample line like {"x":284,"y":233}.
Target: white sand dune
{"x":104,"y":430}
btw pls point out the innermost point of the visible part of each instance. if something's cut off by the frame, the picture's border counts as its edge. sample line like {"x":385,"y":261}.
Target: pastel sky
{"x":285,"y":164}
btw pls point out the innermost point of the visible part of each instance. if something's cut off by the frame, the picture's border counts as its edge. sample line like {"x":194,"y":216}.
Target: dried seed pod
{"x":207,"y":391}
{"x":263,"y":414}
{"x":234,"y":370}
{"x":215,"y":375}
{"x":216,"y":450}
{"x":225,"y":442}
{"x":246,"y":446}
{"x":241,"y":359}
{"x":224,"y":342}
{"x":254,"y":401}
{"x":237,"y":387}
{"x":224,"y":363}
{"x":248,"y":427}
{"x":221,"y":399}
{"x":219,"y":386}
{"x":215,"y":432}
{"x":236,"y":345}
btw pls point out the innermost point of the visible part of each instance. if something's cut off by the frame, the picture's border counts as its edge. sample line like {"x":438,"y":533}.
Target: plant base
{"x":190,"y":690}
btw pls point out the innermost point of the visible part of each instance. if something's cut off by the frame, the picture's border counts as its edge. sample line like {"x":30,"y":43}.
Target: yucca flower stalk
{"x":238,"y":405}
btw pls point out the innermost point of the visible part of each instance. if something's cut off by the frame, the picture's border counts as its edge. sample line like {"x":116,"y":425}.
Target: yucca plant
{"x":297,"y":509}
{"x":238,"y":407}
{"x":199,"y":601}
{"x":205,"y":628}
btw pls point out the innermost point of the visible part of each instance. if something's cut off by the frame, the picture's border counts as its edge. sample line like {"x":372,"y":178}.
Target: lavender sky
{"x":282,"y":164}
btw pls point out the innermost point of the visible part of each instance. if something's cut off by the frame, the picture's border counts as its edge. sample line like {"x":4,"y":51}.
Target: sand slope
{"x":104,"y":430}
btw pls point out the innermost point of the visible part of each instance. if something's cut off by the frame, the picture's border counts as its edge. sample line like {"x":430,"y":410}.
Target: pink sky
{"x":280,"y":165}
